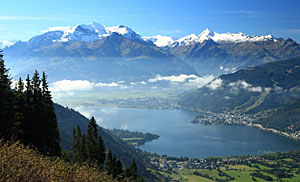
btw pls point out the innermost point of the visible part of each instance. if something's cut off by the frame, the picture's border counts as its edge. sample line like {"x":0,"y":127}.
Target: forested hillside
{"x":249,"y":90}
{"x":69,"y":119}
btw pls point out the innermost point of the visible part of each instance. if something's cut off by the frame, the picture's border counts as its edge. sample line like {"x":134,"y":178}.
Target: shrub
{"x":20,"y":163}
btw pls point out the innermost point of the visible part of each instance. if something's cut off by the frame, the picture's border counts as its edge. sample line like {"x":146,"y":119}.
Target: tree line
{"x":90,"y":149}
{"x":27,"y":112}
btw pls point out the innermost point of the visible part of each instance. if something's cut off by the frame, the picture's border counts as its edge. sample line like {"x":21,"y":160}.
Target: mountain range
{"x":95,"y":52}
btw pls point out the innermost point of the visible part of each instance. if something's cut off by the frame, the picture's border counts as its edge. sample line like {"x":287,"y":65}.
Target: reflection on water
{"x":179,"y":137}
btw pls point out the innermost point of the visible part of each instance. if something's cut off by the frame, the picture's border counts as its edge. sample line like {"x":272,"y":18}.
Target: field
{"x":235,"y":173}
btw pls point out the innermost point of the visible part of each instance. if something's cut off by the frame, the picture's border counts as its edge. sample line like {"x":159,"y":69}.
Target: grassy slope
{"x":20,"y":163}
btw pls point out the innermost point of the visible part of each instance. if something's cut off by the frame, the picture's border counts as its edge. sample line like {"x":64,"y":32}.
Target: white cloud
{"x":136,"y":83}
{"x":226,"y":69}
{"x":69,"y":85}
{"x":5,"y":43}
{"x":235,"y":86}
{"x":278,"y":89}
{"x":215,"y":84}
{"x":255,"y":89}
{"x":112,"y":84}
{"x":173,"y":78}
{"x":268,"y":89}
{"x":245,"y":84}
{"x":201,"y":81}
{"x":226,"y":97}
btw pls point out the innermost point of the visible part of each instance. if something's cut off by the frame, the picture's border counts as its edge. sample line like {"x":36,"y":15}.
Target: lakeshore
{"x":208,"y":118}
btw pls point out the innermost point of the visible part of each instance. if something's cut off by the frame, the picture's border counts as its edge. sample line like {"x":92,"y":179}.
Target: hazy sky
{"x":22,"y":19}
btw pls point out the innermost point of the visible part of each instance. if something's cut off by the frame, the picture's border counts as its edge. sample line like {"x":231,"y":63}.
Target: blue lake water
{"x":179,"y":137}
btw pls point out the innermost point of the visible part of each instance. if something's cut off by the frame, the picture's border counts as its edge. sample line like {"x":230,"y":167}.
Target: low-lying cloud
{"x":217,"y":83}
{"x":173,"y":78}
{"x":185,"y":80}
{"x":235,"y":86}
{"x":68,"y":87}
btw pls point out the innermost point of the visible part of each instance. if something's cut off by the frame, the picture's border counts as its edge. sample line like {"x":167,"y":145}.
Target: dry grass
{"x":20,"y":163}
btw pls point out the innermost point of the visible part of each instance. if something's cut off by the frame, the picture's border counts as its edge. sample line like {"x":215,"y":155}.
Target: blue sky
{"x":20,"y":20}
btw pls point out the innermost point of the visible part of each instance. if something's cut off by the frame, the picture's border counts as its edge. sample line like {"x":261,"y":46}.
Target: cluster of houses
{"x":240,"y":119}
{"x":163,"y":163}
{"x":223,"y":118}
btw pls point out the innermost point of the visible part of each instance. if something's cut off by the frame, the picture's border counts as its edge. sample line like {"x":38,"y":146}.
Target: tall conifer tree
{"x":94,"y":145}
{"x":78,"y":149}
{"x":6,"y":98}
{"x":51,"y":140}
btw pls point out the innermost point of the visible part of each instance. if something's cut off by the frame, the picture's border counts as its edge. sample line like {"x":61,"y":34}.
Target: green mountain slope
{"x":69,"y":119}
{"x":285,"y":118}
{"x":249,"y":90}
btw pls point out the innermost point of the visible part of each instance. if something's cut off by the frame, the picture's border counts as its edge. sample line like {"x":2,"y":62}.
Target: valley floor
{"x":269,"y":167}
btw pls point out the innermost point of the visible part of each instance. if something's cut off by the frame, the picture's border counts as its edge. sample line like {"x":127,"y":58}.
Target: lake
{"x":179,"y":137}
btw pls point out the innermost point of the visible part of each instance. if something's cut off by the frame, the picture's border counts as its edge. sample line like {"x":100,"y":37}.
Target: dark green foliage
{"x":6,"y":100}
{"x":113,"y":165}
{"x":143,"y":137}
{"x":79,"y":151}
{"x":262,"y":176}
{"x":40,"y":124}
{"x":93,"y":149}
{"x":132,"y":172}
{"x":285,"y":118}
{"x":109,"y":162}
{"x":90,"y":147}
{"x":28,"y":115}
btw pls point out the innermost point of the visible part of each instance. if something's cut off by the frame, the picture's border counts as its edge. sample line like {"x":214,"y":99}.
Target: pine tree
{"x":132,"y":172}
{"x":118,"y":168}
{"x":109,"y":163}
{"x":94,"y":145}
{"x":38,"y":125}
{"x":51,"y":140}
{"x":6,"y":99}
{"x":28,"y":114}
{"x":78,"y":150}
{"x":19,"y":106}
{"x":102,"y":152}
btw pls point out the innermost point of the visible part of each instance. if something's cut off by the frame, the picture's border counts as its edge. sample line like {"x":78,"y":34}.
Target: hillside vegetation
{"x":20,"y":163}
{"x":286,"y":118}
{"x":249,"y":90}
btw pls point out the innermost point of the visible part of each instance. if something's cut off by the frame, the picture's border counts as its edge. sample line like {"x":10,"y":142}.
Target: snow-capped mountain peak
{"x":5,"y":43}
{"x":186,"y":40}
{"x":88,"y":32}
{"x":160,"y":40}
{"x":219,"y":38}
{"x":124,"y":31}
{"x":85,"y":32}
{"x":95,"y":31}
{"x":206,"y":32}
